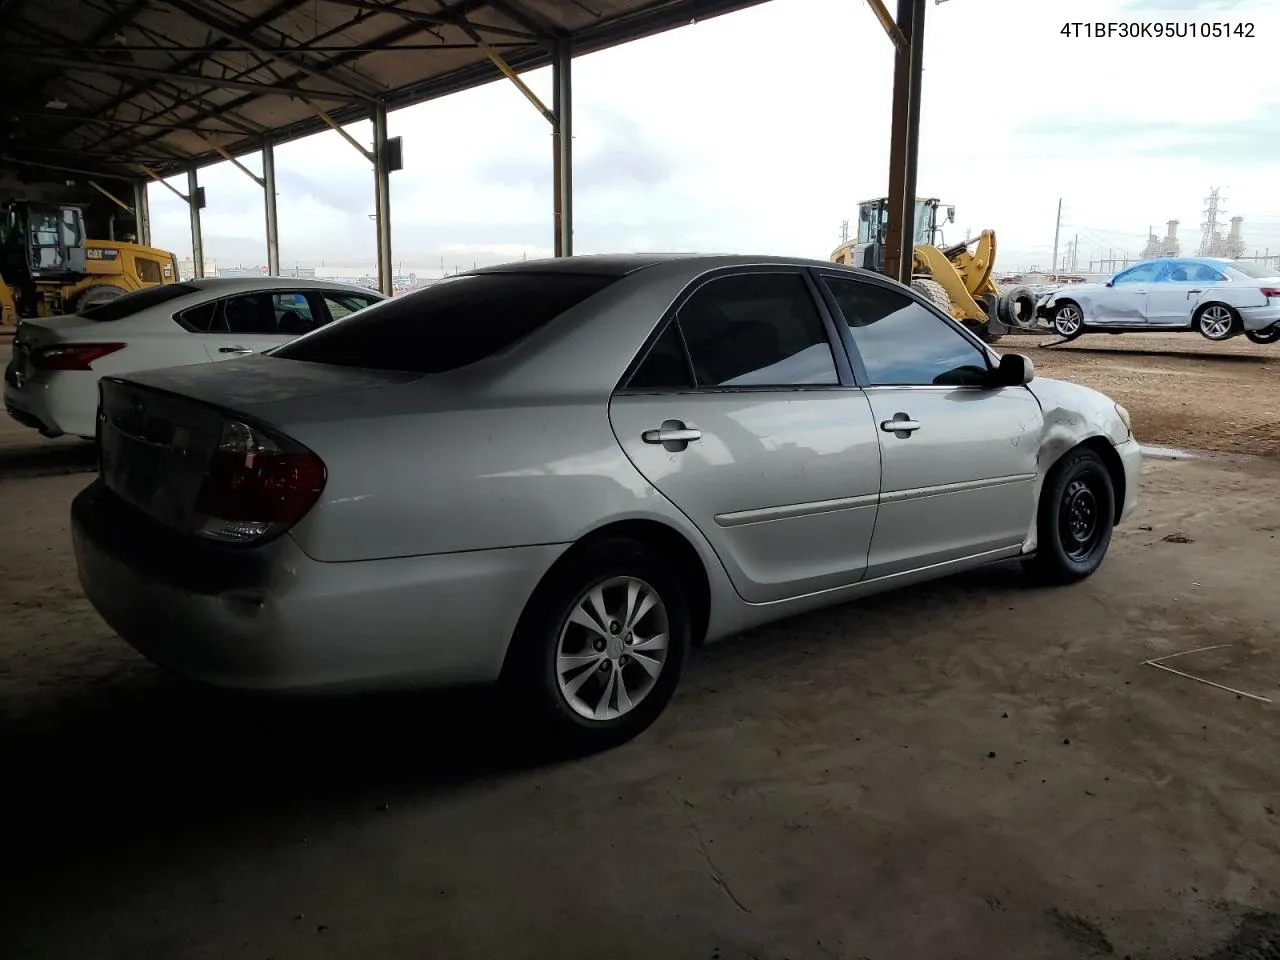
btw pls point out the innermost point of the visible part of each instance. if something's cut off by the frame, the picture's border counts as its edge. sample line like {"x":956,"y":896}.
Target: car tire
{"x":1017,"y":307}
{"x":1217,"y":322}
{"x":1067,"y":319}
{"x":558,"y":670}
{"x":1269,"y":335}
{"x":1075,"y":519}
{"x":99,"y":293}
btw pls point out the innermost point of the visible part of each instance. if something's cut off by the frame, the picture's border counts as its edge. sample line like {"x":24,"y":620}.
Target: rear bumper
{"x":273,"y":619}
{"x":1259,"y":318}
{"x":64,"y":403}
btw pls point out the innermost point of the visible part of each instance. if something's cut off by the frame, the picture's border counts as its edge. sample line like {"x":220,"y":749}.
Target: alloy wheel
{"x":1067,"y":320}
{"x":1215,"y":322}
{"x":612,"y":648}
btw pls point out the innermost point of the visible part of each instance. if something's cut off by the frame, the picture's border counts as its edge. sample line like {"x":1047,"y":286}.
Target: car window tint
{"x":757,"y":329}
{"x":665,"y":367}
{"x":199,"y":319}
{"x":292,"y":314}
{"x":342,"y":304}
{"x":450,"y":324}
{"x":131,"y":303}
{"x":251,"y":314}
{"x":1204,"y":273}
{"x":903,"y":343}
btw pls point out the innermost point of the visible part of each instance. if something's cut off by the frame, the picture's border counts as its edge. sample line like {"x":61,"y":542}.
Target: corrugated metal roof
{"x":110,"y":87}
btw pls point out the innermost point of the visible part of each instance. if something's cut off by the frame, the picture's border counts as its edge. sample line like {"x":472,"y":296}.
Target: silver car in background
{"x":1217,"y":298}
{"x":561,"y":475}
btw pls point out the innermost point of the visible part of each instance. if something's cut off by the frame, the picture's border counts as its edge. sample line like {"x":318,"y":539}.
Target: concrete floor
{"x":972,"y":769}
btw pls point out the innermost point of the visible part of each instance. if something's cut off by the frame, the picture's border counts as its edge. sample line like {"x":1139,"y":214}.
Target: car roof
{"x":223,"y":285}
{"x":622,"y":264}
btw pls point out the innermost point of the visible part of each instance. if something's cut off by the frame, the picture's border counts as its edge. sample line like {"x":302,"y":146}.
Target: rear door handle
{"x":671,"y":435}
{"x":234,"y":350}
{"x":900,"y":426}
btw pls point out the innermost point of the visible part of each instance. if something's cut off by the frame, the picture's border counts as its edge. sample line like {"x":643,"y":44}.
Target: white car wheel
{"x":1068,"y":320}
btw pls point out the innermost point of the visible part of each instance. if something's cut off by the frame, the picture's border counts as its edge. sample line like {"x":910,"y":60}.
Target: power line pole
{"x":1053,"y":264}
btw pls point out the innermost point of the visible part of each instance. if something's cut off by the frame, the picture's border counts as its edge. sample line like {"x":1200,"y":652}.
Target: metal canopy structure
{"x":135,"y":90}
{"x":138,"y":89}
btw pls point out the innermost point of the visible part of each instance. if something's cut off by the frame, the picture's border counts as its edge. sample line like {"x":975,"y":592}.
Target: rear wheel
{"x":1269,"y":335}
{"x":1217,"y":322}
{"x":601,"y":647}
{"x":1075,"y":519}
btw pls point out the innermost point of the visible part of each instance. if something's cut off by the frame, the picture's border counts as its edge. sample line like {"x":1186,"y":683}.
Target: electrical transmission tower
{"x":1209,"y":237}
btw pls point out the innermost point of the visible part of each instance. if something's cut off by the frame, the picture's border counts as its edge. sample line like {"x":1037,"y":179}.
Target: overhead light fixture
{"x":55,"y":104}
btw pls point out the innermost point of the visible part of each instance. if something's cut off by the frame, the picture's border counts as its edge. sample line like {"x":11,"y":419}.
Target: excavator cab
{"x":873,"y":228}
{"x":41,"y":241}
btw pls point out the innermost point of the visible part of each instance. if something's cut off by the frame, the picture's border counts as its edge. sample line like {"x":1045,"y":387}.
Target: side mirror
{"x":1110,"y":283}
{"x":1015,"y":370}
{"x":951,"y":214}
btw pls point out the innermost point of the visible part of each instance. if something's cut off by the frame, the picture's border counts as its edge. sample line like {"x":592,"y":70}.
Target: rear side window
{"x":448,"y":325}
{"x":131,"y":303}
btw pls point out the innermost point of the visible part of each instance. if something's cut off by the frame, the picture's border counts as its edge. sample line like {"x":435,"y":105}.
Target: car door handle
{"x":900,"y":426}
{"x":671,"y":435}
{"x":234,"y":350}
{"x":1189,"y":292}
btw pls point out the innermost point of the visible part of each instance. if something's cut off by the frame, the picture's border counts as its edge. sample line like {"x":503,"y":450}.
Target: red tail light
{"x":1271,"y":292}
{"x":256,"y":485}
{"x":72,"y":356}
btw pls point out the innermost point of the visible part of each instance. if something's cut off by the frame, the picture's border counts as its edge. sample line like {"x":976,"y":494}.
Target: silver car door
{"x":958,"y":458}
{"x":1124,"y":302}
{"x":1173,"y":295}
{"x":743,"y":416}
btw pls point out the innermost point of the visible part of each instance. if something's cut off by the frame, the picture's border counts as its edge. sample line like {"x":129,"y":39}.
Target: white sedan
{"x":1217,"y":298}
{"x":559,"y":475}
{"x":51,"y":383}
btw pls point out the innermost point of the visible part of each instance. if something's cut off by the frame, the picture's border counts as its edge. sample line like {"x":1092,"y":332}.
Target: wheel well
{"x":674,"y":545}
{"x":1216,"y":303}
{"x":1115,"y":468}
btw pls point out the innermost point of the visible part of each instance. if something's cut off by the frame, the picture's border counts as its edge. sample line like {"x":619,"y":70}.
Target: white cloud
{"x":759,"y":131}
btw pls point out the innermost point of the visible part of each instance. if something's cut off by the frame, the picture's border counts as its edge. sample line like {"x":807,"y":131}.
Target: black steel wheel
{"x":1075,"y":520}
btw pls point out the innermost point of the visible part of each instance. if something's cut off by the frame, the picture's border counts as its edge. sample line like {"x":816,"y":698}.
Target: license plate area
{"x":155,"y":449}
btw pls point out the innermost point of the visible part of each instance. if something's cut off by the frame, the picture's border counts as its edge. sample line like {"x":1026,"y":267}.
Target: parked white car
{"x":51,"y":382}
{"x":1215,"y":297}
{"x":559,"y":475}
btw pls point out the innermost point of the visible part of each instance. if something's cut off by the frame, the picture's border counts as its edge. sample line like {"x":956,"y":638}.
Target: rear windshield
{"x":1254,"y":270}
{"x":448,"y":325}
{"x":131,"y":303}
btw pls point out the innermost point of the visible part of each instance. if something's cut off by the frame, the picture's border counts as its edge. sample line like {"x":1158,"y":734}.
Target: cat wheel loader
{"x":955,"y":278}
{"x":49,"y":267}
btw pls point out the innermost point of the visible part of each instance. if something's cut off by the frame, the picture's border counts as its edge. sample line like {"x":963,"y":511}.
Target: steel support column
{"x":904,"y":142}
{"x":197,"y":241}
{"x":269,"y":198}
{"x":142,"y":213}
{"x":562,"y":147}
{"x":382,"y":197}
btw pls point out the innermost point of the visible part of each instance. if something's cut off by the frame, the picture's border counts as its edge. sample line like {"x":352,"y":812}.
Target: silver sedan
{"x":561,"y":475}
{"x":1217,"y":298}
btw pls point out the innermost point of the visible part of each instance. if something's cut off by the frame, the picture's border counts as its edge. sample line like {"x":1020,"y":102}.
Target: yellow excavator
{"x":955,"y":278}
{"x":48,"y":266}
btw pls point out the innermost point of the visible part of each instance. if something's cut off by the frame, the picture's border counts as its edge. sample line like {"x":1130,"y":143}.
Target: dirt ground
{"x":971,"y":769}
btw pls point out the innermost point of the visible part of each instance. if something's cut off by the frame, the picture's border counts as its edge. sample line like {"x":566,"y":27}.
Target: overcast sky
{"x":760,"y":131}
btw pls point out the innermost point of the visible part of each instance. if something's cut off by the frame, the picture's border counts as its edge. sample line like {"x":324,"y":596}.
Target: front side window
{"x":902,"y":343}
{"x":448,"y":325}
{"x":756,"y":330}
{"x":1142,"y":273}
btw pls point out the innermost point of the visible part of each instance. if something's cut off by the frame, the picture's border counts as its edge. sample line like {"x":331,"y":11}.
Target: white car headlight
{"x":1123,"y":414}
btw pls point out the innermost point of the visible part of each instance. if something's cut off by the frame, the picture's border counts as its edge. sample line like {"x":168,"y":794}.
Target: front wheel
{"x":1068,"y":320}
{"x":601,"y":648}
{"x":1075,"y":519}
{"x":1269,"y":335}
